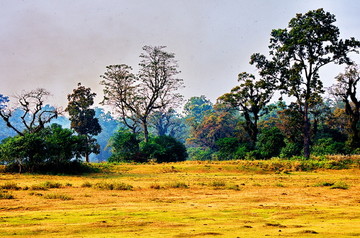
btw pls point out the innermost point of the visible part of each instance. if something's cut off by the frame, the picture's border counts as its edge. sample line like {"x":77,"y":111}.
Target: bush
{"x":290,"y":150}
{"x":327,"y":146}
{"x":164,"y":149}
{"x":200,"y":153}
{"x":113,"y":186}
{"x":58,"y":196}
{"x":270,"y":142}
{"x":125,"y":147}
{"x":52,"y":150}
{"x":10,"y":186}
{"x":5,"y":195}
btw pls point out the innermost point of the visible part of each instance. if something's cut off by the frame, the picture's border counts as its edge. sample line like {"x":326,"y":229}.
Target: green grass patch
{"x":340,"y":185}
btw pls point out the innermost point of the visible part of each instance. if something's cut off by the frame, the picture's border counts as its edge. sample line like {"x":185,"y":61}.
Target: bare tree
{"x":136,"y":97}
{"x":34,"y":113}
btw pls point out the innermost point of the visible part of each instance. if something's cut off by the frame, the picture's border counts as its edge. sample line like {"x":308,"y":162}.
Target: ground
{"x":188,"y":199}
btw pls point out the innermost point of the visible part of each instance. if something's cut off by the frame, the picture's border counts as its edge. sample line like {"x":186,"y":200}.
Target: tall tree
{"x":250,"y":98}
{"x":195,"y":109}
{"x":34,"y":114}
{"x":346,"y":90}
{"x":82,"y":117}
{"x":310,"y":42}
{"x":136,"y":97}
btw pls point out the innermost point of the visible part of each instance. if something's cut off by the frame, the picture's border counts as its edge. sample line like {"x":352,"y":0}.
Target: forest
{"x":284,"y":111}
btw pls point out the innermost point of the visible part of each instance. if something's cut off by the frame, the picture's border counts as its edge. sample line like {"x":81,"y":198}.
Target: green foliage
{"x":83,"y":119}
{"x":250,"y":98}
{"x":231,"y":148}
{"x":291,"y":149}
{"x":196,"y":108}
{"x":327,"y":146}
{"x":270,"y":142}
{"x":51,"y":150}
{"x":164,"y":149}
{"x":125,"y":147}
{"x":340,"y":185}
{"x":200,"y":153}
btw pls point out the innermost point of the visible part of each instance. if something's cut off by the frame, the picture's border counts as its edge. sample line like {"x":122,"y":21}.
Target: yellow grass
{"x":186,"y":199}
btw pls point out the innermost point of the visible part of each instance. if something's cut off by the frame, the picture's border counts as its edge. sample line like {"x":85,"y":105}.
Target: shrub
{"x":58,"y":196}
{"x":177,"y":185}
{"x":10,"y":186}
{"x":218,"y":184}
{"x":6,"y":195}
{"x":200,"y":153}
{"x":86,"y":184}
{"x":270,"y":142}
{"x":290,"y":150}
{"x":340,"y":185}
{"x":156,"y":186}
{"x":327,"y":146}
{"x":113,"y":186}
{"x":164,"y":149}
{"x":125,"y":147}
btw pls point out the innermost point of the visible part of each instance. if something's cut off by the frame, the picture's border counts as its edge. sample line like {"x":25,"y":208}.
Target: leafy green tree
{"x":297,"y":53}
{"x":250,"y":98}
{"x":154,"y":88}
{"x":164,"y":149}
{"x":346,"y":90}
{"x":82,"y":117}
{"x":50,"y":150}
{"x":270,"y":142}
{"x":125,"y":147}
{"x":196,"y":108}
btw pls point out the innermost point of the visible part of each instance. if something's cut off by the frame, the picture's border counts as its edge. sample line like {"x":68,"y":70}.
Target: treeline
{"x":146,"y":124}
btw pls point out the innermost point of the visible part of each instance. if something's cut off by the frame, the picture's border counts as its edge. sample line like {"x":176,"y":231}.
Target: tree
{"x":196,"y":108}
{"x":219,"y":124}
{"x":34,"y":115}
{"x":136,"y":97}
{"x":346,"y":91}
{"x":82,"y":117}
{"x":164,"y":149}
{"x":125,"y":147}
{"x":270,"y":142}
{"x":298,"y":52}
{"x":49,"y":150}
{"x":250,"y":98}
{"x":168,"y":123}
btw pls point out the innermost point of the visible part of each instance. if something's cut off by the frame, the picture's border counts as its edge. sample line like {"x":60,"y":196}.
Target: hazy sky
{"x":55,"y":44}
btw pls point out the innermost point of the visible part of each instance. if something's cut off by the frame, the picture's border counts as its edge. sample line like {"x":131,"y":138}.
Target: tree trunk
{"x":146,"y":131}
{"x":87,"y":157}
{"x":307,"y":140}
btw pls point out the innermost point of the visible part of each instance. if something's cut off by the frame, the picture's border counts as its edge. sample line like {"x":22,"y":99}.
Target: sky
{"x":55,"y":44}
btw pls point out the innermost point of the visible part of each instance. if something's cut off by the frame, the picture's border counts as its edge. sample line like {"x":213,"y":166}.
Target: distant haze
{"x":55,"y":44}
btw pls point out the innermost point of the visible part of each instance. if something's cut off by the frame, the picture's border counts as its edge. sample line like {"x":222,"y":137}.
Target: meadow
{"x":186,"y":199}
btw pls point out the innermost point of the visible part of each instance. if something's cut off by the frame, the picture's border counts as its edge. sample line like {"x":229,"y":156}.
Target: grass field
{"x":188,"y":199}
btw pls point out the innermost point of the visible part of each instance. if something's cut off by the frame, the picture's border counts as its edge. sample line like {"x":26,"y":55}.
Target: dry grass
{"x":188,"y":199}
